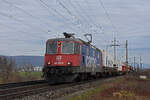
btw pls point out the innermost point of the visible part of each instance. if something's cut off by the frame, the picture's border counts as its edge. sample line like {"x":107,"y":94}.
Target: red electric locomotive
{"x":68,"y":59}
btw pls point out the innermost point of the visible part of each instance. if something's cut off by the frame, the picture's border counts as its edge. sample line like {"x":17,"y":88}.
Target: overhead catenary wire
{"x":24,"y":11}
{"x":20,"y":21}
{"x":71,"y":14}
{"x":92,"y":23}
{"x":30,"y":26}
{"x":91,"y":19}
{"x":49,"y":7}
{"x":14,"y":28}
{"x":79,"y":14}
{"x":109,"y":18}
{"x":43,"y":4}
{"x":29,"y":14}
{"x":86,"y":14}
{"x":115,"y":31}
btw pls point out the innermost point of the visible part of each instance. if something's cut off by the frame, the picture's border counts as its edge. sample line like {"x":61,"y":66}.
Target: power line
{"x":95,"y":24}
{"x":64,"y":7}
{"x":49,"y":7}
{"x":86,"y":14}
{"x":22,"y":31}
{"x":24,"y":11}
{"x":20,"y":21}
{"x":109,"y":18}
{"x":80,"y":14}
{"x":43,"y":4}
{"x":87,"y":19}
{"x":91,"y":22}
{"x":70,"y":13}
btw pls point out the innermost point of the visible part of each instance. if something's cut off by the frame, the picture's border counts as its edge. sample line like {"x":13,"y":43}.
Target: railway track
{"x":15,"y":90}
{"x":18,"y":84}
{"x":18,"y":90}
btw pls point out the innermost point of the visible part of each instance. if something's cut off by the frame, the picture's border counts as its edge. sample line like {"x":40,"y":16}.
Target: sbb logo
{"x":58,"y":58}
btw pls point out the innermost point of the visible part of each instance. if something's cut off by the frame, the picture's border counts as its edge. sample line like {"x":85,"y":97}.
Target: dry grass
{"x":131,"y":88}
{"x":128,"y":88}
{"x":21,"y":76}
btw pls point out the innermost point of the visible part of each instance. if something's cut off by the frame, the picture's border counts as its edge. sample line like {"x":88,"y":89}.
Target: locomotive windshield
{"x":67,"y":47}
{"x":52,"y":48}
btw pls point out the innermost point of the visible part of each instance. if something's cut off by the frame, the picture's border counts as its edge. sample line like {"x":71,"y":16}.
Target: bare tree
{"x":7,"y":68}
{"x":28,"y":69}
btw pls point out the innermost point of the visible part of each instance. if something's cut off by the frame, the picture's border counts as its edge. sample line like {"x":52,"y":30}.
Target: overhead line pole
{"x":140,"y":62}
{"x":134,"y":64}
{"x":127,"y":54}
{"x":115,"y":45}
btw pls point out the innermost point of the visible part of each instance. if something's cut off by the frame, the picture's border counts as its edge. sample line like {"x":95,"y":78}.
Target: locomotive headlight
{"x":48,"y":63}
{"x":69,"y":63}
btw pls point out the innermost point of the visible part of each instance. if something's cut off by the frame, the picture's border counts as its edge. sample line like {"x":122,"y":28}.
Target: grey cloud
{"x":27,"y":24}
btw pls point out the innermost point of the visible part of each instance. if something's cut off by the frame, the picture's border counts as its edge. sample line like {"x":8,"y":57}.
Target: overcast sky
{"x":25,"y":25}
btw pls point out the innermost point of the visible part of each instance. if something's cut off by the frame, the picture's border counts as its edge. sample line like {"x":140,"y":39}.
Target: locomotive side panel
{"x":91,"y":59}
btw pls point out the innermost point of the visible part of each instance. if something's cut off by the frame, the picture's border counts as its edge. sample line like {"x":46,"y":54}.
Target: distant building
{"x":30,"y":69}
{"x":37,"y":68}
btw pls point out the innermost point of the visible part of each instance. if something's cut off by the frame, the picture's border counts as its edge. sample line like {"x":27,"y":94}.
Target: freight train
{"x":72,"y":59}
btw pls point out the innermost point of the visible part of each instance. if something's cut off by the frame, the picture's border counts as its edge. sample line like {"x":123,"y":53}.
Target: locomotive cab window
{"x":76,"y":48}
{"x":98,"y":55}
{"x":87,"y":51}
{"x":94,"y":53}
{"x":52,"y":48}
{"x":67,"y":47}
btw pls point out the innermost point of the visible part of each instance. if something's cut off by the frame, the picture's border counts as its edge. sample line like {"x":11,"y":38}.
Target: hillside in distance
{"x":34,"y":60}
{"x":39,"y":60}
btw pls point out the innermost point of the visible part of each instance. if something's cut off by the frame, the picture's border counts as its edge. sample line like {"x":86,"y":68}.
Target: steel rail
{"x":13,"y":90}
{"x":27,"y":90}
{"x":18,"y":84}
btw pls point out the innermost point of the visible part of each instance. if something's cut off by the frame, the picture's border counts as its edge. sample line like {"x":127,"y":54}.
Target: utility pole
{"x":115,"y":45}
{"x":138,"y":68}
{"x":140,"y":62}
{"x":126,"y":54}
{"x":134,"y":64}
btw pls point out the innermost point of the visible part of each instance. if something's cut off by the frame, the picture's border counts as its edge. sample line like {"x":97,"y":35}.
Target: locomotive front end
{"x":62,"y":59}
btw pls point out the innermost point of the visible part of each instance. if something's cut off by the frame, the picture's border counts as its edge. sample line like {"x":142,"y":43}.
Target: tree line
{"x":9,"y":72}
